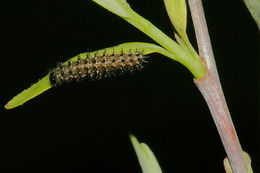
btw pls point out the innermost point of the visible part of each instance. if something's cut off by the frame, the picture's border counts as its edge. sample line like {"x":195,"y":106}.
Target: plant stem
{"x":211,"y":90}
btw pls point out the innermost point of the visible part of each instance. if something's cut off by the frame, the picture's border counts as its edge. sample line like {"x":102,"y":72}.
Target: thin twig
{"x":211,"y":90}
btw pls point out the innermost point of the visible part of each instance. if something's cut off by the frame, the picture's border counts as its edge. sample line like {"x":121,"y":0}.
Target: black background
{"x":84,"y":127}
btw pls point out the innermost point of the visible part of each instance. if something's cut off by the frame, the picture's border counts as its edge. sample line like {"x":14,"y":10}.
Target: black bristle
{"x":113,"y":53}
{"x":79,"y":59}
{"x":122,"y":53}
{"x":104,"y":53}
{"x":52,"y":78}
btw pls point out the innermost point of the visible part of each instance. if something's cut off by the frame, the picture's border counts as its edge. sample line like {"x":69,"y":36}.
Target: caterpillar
{"x":97,"y":66}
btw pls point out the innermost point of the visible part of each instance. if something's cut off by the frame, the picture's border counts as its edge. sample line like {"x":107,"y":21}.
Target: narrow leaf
{"x":145,"y":156}
{"x":44,"y":84}
{"x":177,"y":12}
{"x":119,"y":7}
{"x":28,"y":94}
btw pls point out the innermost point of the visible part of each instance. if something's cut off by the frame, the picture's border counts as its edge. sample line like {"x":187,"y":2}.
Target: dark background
{"x":84,"y":127}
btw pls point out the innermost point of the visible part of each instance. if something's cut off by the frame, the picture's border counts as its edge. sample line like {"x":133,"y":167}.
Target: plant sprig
{"x":183,"y":53}
{"x":44,"y":84}
{"x":188,"y":57}
{"x":146,"y":158}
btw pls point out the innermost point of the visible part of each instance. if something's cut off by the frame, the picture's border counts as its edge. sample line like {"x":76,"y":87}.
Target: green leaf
{"x":119,"y":7}
{"x":177,"y":12}
{"x":28,"y":94}
{"x":44,"y":84}
{"x":145,"y":157}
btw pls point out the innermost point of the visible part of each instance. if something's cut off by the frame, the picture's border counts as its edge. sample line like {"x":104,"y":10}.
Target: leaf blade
{"x":26,"y":95}
{"x":44,"y":84}
{"x":146,"y":158}
{"x":177,"y":12}
{"x":118,"y":7}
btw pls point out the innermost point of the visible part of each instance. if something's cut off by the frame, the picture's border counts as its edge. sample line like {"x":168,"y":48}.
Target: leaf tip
{"x":10,"y":105}
{"x":7,"y":106}
{"x":132,"y":138}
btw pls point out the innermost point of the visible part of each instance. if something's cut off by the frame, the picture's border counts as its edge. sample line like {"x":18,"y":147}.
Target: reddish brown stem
{"x":211,"y":90}
{"x":213,"y":95}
